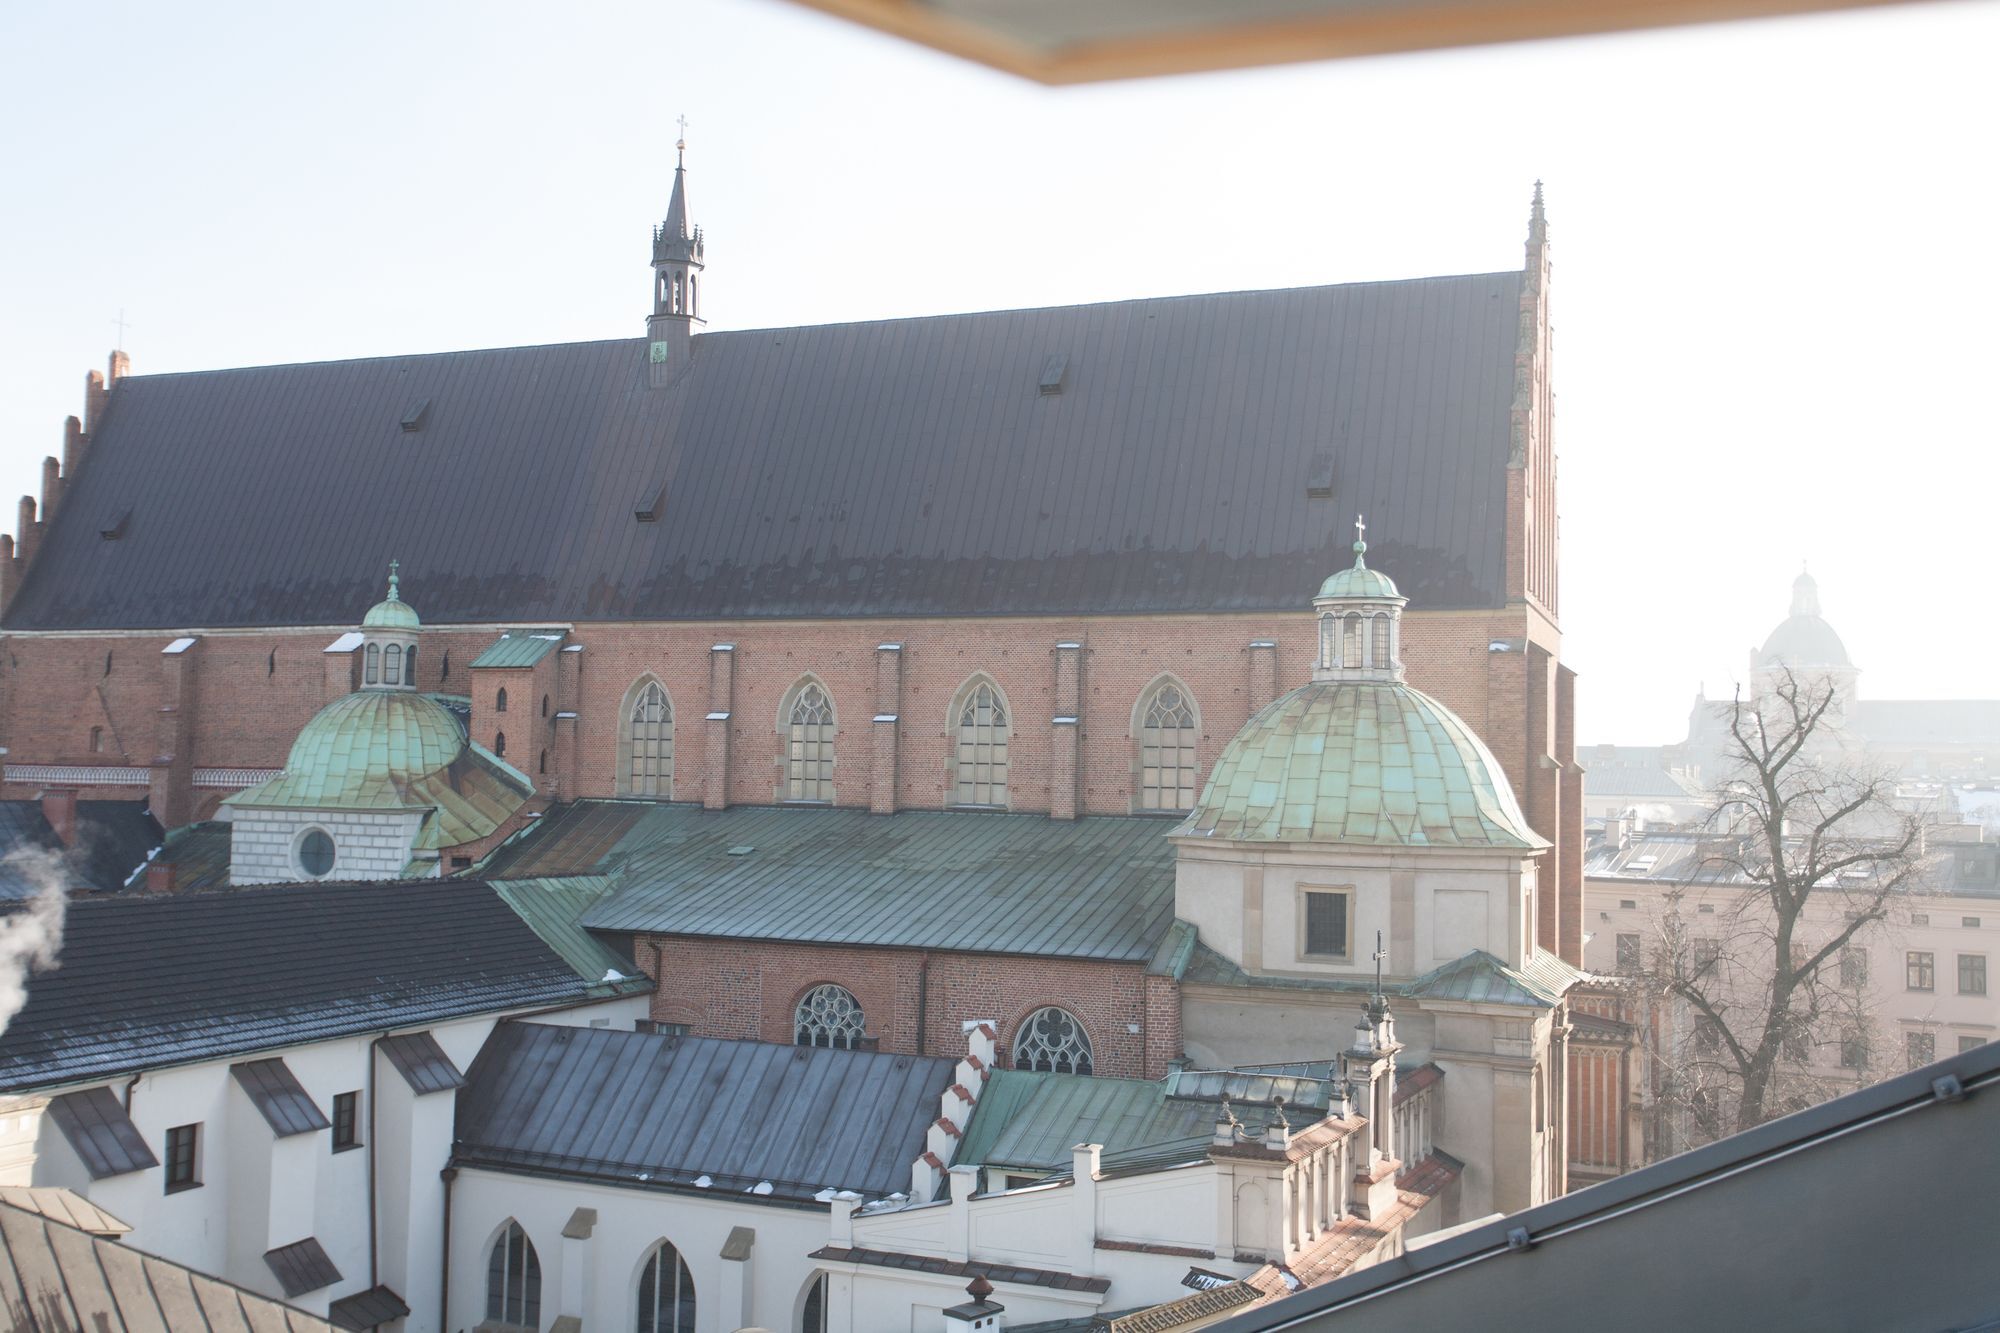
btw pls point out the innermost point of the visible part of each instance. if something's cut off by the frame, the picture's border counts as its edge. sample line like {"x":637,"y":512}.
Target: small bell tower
{"x":677,"y":266}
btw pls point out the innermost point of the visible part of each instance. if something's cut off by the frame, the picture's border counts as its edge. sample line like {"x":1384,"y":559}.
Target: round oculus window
{"x":316,"y":853}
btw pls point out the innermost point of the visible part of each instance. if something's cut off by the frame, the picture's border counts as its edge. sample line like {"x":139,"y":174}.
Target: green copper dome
{"x":1372,"y":762}
{"x":359,"y":750}
{"x":392,"y":612}
{"x":1360,"y":581}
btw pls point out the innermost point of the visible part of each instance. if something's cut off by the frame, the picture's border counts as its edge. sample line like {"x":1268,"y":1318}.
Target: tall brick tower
{"x":677,"y":265}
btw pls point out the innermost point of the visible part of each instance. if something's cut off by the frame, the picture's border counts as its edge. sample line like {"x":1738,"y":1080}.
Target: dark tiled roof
{"x":199,"y":854}
{"x":658,"y":1112}
{"x":1101,"y":887}
{"x":279,"y":1097}
{"x":905,"y":467}
{"x":153,"y":981}
{"x":302,"y":1266}
{"x":422,"y":1063}
{"x":56,"y":1278}
{"x":113,"y":840}
{"x":65,"y":1206}
{"x":367,"y":1309}
{"x":95,"y":1123}
{"x":924,"y":1263}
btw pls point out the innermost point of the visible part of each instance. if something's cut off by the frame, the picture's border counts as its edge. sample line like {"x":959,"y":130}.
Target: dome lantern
{"x":1360,"y":621}
{"x":389,"y":640}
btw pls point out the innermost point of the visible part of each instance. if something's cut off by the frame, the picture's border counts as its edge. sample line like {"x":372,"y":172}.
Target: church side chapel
{"x":875,"y":689}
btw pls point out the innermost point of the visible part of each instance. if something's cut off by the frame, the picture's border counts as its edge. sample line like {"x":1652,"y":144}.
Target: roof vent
{"x":647,"y":510}
{"x":1053,"y":371}
{"x":1319,"y":475}
{"x":413,"y":420}
{"x":117,"y":527}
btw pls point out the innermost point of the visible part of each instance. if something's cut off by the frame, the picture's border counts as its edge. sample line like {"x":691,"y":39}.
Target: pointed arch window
{"x":809,"y":746}
{"x":982,"y":748}
{"x":372,"y":674}
{"x":812,"y":1314}
{"x":499,"y":745}
{"x":666,"y":1292}
{"x":1052,"y":1042}
{"x":1166,"y":750}
{"x":392,"y":664}
{"x":514,"y":1280}
{"x":649,"y":740}
{"x":500,"y":700}
{"x":828,"y":1015}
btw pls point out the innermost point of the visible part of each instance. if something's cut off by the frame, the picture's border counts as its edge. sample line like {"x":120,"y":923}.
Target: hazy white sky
{"x":1777,"y":294}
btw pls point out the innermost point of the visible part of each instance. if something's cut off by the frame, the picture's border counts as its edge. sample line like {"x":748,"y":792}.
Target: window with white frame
{"x":1052,"y":1041}
{"x":649,"y":734}
{"x":828,"y":1015}
{"x":666,"y":1292}
{"x":1166,"y":751}
{"x":809,"y":746}
{"x":982,"y":748}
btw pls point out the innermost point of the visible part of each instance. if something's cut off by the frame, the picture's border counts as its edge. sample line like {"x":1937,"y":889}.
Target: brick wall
{"x":749,"y":989}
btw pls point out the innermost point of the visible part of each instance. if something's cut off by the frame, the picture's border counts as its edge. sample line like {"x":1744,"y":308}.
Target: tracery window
{"x":514,"y":1280}
{"x":650,"y":733}
{"x":812,"y":1316}
{"x":1053,"y":1042}
{"x":809,"y":747}
{"x":828,"y":1015}
{"x":982,"y":749}
{"x":392,"y":665}
{"x":1166,"y":751}
{"x":666,"y":1293}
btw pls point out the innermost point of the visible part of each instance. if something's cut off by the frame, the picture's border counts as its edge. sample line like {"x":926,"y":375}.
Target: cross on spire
{"x":680,"y":145}
{"x":394,"y":565}
{"x":122,"y":325}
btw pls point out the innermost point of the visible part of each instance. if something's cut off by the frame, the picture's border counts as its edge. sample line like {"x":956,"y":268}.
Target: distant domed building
{"x":1357,"y":834}
{"x":381,"y":783}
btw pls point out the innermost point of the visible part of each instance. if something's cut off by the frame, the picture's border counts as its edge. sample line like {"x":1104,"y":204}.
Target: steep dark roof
{"x":152,"y":981}
{"x":660,"y":1112}
{"x":907,"y":467}
{"x":1101,"y":887}
{"x":102,"y":1134}
{"x":280,"y":1098}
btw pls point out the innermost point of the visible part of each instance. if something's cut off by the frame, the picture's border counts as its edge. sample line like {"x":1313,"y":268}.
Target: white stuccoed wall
{"x":258,"y":1192}
{"x":365,"y":845}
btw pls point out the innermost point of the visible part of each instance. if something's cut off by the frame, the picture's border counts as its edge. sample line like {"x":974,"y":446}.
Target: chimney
{"x":59,"y":808}
{"x":981,"y":1312}
{"x":160,"y":876}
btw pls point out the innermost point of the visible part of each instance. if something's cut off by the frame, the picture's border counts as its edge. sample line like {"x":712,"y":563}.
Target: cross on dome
{"x":394,"y":595}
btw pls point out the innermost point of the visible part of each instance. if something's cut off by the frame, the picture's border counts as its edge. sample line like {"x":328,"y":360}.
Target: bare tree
{"x":1758,"y":944}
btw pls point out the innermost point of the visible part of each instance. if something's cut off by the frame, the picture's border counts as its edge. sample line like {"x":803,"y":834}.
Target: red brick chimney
{"x":160,"y":876}
{"x":59,"y":808}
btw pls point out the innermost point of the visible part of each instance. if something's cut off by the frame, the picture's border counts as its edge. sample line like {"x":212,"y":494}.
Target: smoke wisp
{"x":31,"y":936}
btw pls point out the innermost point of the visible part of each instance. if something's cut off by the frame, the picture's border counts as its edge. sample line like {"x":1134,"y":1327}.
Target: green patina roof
{"x":392,"y":612}
{"x":380,"y":750}
{"x":518,"y":648}
{"x":554,"y":908}
{"x":1360,"y":581}
{"x":1371,"y":762}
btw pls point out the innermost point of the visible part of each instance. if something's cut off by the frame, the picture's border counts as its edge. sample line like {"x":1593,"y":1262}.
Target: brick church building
{"x":1015,"y":578}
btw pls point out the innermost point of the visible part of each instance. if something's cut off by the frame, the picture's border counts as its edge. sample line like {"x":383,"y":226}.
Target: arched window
{"x":444,"y":667}
{"x":542,"y":762}
{"x":514,"y":1280}
{"x":410,"y":664}
{"x":499,"y":745}
{"x":666,"y":1293}
{"x":373,"y":673}
{"x":545,"y":705}
{"x":649,"y":743}
{"x":1381,"y":646}
{"x":694,"y":294}
{"x":677,"y":293}
{"x":1052,"y":1041}
{"x":96,"y":739}
{"x":809,"y":746}
{"x":1350,"y":641}
{"x":271,"y":663}
{"x":828,"y":1015}
{"x":392,"y":665}
{"x":1166,"y":750}
{"x":982,"y":748}
{"x":500,"y":700}
{"x":812,"y":1314}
